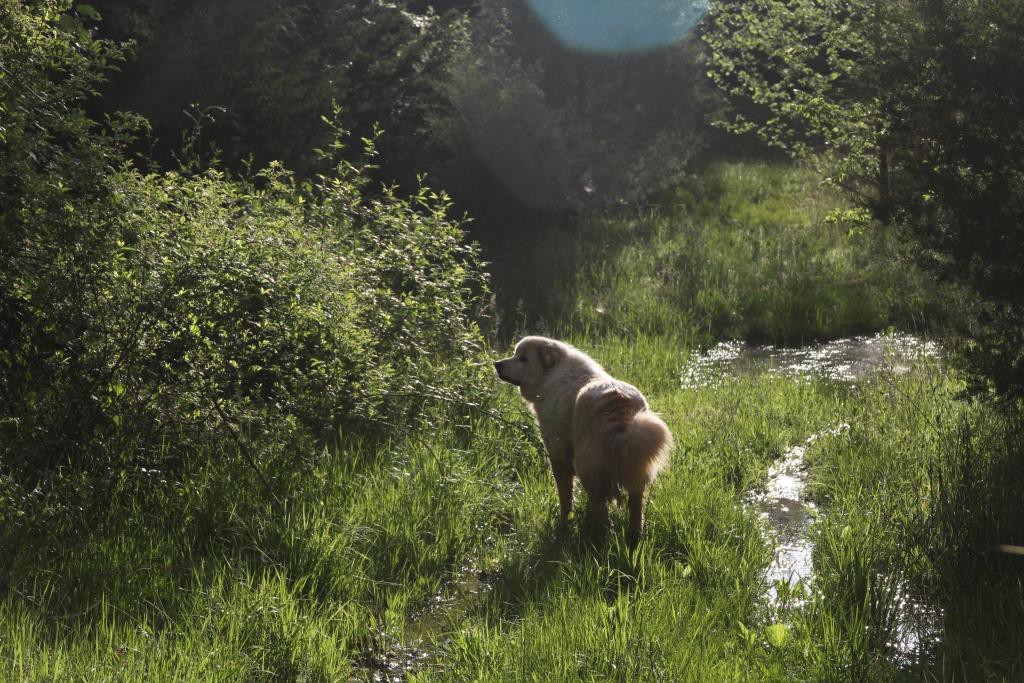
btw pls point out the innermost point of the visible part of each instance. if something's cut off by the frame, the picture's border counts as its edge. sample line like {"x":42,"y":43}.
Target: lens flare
{"x":619,"y":25}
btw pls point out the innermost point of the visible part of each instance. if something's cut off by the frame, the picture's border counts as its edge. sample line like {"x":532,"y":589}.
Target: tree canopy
{"x":913,"y":108}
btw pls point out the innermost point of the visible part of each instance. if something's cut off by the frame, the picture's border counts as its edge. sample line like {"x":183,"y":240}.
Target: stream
{"x":783,"y":504}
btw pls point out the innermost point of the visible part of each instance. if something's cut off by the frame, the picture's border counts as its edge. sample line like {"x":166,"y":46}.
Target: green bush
{"x":154,"y":319}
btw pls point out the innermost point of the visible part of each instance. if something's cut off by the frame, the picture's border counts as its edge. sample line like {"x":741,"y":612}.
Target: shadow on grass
{"x":573,"y":557}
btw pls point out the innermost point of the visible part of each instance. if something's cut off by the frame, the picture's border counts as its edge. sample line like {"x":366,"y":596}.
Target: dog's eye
{"x":522,"y":359}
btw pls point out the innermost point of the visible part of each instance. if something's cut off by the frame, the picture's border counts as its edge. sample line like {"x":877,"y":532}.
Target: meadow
{"x":427,"y":549}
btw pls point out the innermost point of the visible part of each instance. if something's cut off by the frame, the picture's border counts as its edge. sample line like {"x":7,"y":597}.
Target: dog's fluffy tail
{"x":645,"y":443}
{"x":617,"y":438}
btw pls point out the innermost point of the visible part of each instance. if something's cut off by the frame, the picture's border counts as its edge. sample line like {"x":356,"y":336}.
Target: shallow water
{"x":783,"y":504}
{"x":916,"y":628}
{"x":449,"y":607}
{"x":426,"y":631}
{"x":849,"y":360}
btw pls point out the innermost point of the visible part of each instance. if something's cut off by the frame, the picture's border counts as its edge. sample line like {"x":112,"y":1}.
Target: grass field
{"x":747,"y":251}
{"x":430,"y":550}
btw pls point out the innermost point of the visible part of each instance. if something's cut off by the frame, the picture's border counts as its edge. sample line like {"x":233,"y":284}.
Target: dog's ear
{"x":550,"y":352}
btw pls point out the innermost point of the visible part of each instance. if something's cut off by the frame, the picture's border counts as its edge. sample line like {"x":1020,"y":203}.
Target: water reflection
{"x":784,"y":506}
{"x":844,"y":360}
{"x":916,"y":626}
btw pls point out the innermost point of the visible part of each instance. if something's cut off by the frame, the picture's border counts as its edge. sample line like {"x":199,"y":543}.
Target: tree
{"x":266,"y":70}
{"x":913,"y":108}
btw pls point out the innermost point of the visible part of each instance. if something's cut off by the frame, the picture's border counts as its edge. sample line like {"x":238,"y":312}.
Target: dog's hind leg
{"x":636,"y":514}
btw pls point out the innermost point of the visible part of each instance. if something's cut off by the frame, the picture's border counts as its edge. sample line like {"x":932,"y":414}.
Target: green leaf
{"x":88,"y":11}
{"x":778,"y":634}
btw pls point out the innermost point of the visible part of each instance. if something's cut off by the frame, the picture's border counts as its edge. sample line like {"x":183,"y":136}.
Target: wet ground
{"x":391,"y":661}
{"x":783,"y":503}
{"x":449,"y":607}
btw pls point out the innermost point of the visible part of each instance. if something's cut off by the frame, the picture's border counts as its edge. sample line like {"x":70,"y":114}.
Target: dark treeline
{"x":259,"y":75}
{"x":479,"y":96}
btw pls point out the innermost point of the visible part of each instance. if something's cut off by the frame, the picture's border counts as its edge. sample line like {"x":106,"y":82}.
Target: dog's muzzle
{"x":503,"y":378}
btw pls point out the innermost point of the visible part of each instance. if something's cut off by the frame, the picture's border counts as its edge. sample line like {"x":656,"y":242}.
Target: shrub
{"x":164,"y":318}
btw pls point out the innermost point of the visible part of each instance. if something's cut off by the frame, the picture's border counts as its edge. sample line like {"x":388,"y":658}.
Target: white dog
{"x":594,"y":426}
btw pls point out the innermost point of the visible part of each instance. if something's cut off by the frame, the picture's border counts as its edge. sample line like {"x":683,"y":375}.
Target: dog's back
{"x":617,"y":437}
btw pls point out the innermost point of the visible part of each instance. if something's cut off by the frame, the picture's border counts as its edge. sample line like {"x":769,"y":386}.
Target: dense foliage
{"x":914,"y":107}
{"x":158,"y":318}
{"x":266,"y":70}
{"x":481,"y":97}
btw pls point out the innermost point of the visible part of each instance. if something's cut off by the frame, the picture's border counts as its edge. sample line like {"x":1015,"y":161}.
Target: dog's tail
{"x":645,"y":445}
{"x":617,"y":437}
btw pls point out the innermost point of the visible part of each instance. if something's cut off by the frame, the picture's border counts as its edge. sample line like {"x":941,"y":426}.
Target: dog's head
{"x":533,"y":358}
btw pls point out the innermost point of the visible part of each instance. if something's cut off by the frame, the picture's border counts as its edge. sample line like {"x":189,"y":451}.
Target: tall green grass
{"x":210,"y":580}
{"x":920,"y":492}
{"x":428,"y":548}
{"x":754,"y":251}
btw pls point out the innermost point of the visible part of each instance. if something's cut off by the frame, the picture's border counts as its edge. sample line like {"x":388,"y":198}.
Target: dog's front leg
{"x":565,"y":478}
{"x":599,"y":519}
{"x":636,"y":514}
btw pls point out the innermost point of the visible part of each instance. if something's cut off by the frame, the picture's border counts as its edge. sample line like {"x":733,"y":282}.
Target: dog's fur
{"x":594,"y":426}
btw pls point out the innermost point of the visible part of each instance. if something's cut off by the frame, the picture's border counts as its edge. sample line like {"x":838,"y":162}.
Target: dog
{"x":595,"y":427}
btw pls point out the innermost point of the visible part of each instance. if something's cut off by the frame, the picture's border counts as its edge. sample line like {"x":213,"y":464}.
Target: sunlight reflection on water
{"x":783,"y":504}
{"x":843,"y":360}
